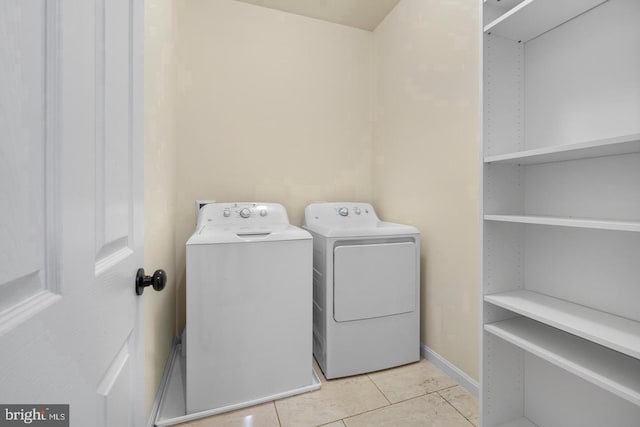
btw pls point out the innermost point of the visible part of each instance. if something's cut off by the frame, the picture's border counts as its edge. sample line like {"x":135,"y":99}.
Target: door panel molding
{"x":29,"y":280}
{"x":112,"y":254}
{"x":52,"y":136}
{"x":114,"y":393}
{"x":114,"y":118}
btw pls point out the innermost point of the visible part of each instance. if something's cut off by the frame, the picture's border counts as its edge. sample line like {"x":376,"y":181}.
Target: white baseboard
{"x":450,"y":369}
{"x":151,"y":422}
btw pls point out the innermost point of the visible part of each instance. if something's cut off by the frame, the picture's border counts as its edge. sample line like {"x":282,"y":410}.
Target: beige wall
{"x":272,"y":107}
{"x":425,"y":168}
{"x":160,"y":188}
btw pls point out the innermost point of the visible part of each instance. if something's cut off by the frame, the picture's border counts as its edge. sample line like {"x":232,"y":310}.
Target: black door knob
{"x":157,"y":281}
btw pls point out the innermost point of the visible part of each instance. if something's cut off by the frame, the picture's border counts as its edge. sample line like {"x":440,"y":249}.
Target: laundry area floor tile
{"x":335,"y":400}
{"x":429,"y":410}
{"x":418,"y":394}
{"x":412,"y":380}
{"x":463,"y":401}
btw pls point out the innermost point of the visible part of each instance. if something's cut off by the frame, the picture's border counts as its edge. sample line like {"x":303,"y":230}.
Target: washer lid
{"x":208,"y":234}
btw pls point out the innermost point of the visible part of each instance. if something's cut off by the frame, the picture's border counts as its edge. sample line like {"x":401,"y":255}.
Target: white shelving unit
{"x":600,"y":224}
{"x":600,"y":148}
{"x":608,"y":369}
{"x":531,"y":18}
{"x":617,"y":333}
{"x":561,"y":213}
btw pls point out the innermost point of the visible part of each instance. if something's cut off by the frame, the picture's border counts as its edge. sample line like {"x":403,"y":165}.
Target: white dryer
{"x":249,"y":316}
{"x":366,"y":289}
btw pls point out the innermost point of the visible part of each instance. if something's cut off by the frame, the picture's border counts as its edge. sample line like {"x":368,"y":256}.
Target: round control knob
{"x":226,"y":213}
{"x":343,"y":211}
{"x":357,"y":211}
{"x":263,"y":212}
{"x":245,"y":213}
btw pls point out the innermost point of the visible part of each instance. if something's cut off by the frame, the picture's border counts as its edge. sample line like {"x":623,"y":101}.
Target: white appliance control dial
{"x":226,"y":213}
{"x":245,"y":213}
{"x":357,"y":211}
{"x":343,"y":211}
{"x":263,"y":212}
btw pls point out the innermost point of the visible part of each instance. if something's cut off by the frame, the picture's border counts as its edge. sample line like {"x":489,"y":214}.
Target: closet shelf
{"x":611,"y":331}
{"x":520,"y":422}
{"x":531,"y":18}
{"x":493,"y":9}
{"x":584,"y":150}
{"x":600,"y":224}
{"x":606,"y":368}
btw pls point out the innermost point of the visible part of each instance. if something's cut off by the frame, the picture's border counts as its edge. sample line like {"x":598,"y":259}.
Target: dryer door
{"x":374,"y":280}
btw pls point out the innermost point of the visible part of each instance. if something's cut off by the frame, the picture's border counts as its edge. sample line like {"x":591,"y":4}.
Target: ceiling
{"x":365,"y":14}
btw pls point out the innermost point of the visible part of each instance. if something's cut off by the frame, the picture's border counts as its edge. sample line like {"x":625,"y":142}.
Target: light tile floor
{"x":418,"y":395}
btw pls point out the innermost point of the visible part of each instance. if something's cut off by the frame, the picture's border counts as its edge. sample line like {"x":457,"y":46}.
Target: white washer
{"x":249,"y":299}
{"x":366,"y":289}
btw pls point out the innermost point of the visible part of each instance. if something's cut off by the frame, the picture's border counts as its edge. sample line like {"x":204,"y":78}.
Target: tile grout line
{"x":277,"y":414}
{"x":420,"y":395}
{"x":363,"y":412}
{"x":381,"y":407}
{"x":330,"y":422}
{"x":378,"y":388}
{"x":456,"y":409}
{"x":447,"y":388}
{"x":359,"y":413}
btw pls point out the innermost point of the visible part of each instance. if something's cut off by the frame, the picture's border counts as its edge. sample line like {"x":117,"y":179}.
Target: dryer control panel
{"x":339,"y":214}
{"x":247,"y":213}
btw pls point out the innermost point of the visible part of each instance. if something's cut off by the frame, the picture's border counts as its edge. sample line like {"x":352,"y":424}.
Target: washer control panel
{"x":225,"y":214}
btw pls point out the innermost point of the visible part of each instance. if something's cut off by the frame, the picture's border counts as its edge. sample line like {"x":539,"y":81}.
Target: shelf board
{"x":584,"y":150}
{"x":503,"y":5}
{"x":493,"y":9}
{"x":531,"y":18}
{"x":606,"y":368}
{"x":520,"y":422}
{"x":600,"y":224}
{"x":611,"y":331}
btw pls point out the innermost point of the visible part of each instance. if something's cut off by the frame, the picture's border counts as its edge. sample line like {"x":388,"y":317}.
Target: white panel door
{"x":71,"y":207}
